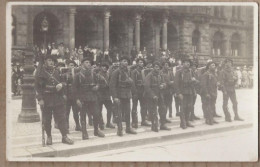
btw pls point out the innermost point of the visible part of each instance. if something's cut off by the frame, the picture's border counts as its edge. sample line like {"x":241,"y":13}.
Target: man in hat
{"x":178,"y":67}
{"x":138,"y":94}
{"x":228,"y":81}
{"x":71,"y":100}
{"x":104,"y":97}
{"x":194,"y":69}
{"x":209,"y":83}
{"x":50,"y":95}
{"x":121,"y":86}
{"x":154,"y":85}
{"x":85,"y":88}
{"x":168,"y":77}
{"x":184,"y":82}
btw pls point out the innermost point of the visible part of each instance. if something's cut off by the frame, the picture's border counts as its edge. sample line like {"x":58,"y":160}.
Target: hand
{"x":155,"y":98}
{"x":180,"y":96}
{"x":116,"y":100}
{"x":95,"y":88}
{"x":79,"y":103}
{"x":41,"y":103}
{"x":59,"y":87}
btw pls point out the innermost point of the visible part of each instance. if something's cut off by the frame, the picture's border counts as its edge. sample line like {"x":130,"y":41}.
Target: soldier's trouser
{"x":126,"y":108}
{"x":208,"y":105}
{"x":141,"y":100}
{"x":161,"y":109}
{"x":60,"y":117}
{"x":193,"y":104}
{"x":232,"y":96}
{"x":89,"y":107}
{"x":177,"y":104}
{"x":108,"y":104}
{"x":71,"y":103}
{"x":187,"y":103}
{"x":152,"y":109}
{"x":168,"y":102}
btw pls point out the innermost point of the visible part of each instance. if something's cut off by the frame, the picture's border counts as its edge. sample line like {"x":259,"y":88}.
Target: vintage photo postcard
{"x":150,"y":81}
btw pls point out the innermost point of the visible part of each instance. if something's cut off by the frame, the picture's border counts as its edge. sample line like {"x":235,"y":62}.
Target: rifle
{"x":43,"y":128}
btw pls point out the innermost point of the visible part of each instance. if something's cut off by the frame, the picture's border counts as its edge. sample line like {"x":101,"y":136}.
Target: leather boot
{"x":110,"y":125}
{"x":183,"y":122}
{"x":98,"y":133}
{"x":135,"y":125}
{"x":145,"y":123}
{"x":78,"y":127}
{"x":84,"y":132}
{"x":67,"y":140}
{"x":189,"y":124}
{"x":49,"y":140}
{"x":119,"y":129}
{"x":129,"y":130}
{"x":164,"y":127}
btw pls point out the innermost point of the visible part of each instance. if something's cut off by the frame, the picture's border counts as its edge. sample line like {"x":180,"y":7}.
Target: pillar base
{"x":28,"y":117}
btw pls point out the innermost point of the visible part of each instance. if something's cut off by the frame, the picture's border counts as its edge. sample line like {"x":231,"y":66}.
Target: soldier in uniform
{"x":178,"y":67}
{"x":71,"y":101}
{"x":104,"y":97}
{"x":121,"y":86}
{"x":154,"y":84}
{"x":194,"y":69}
{"x":184,"y":82}
{"x":138,"y":94}
{"x":168,"y":77}
{"x":228,"y":82}
{"x":85,"y":88}
{"x":209,"y":83}
{"x":51,"y":97}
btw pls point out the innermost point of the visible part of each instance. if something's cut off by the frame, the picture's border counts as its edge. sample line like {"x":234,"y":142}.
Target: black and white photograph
{"x":132,"y":81}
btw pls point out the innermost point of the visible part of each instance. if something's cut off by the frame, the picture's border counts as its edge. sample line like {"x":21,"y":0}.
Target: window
{"x":235,"y":45}
{"x":195,"y":41}
{"x":218,"y":44}
{"x":236,"y":12}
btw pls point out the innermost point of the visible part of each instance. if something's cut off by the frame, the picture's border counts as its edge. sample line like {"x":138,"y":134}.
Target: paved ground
{"x":228,"y":146}
{"x":26,"y":134}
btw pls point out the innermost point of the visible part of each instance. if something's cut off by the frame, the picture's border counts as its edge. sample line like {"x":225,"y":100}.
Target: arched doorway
{"x":51,"y":34}
{"x":196,"y":41}
{"x":86,"y":29}
{"x":235,"y":44}
{"x":218,"y":47}
{"x":172,"y":38}
{"x":147,"y":34}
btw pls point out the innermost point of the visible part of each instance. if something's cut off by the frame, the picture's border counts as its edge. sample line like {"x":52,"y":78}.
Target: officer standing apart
{"x":185,"y":81}
{"x":209,"y":85}
{"x":86,"y":87}
{"x":138,"y":95}
{"x":121,"y":86}
{"x":228,"y":82}
{"x":154,"y":85}
{"x":51,"y":97}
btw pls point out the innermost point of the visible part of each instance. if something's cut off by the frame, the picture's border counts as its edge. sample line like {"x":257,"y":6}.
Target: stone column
{"x":137,"y":31}
{"x":164,"y":33}
{"x":72,"y":12}
{"x":106,"y":29}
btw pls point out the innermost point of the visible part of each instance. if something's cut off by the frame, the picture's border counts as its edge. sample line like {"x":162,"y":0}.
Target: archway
{"x":196,"y":41}
{"x":235,"y":42}
{"x":172,"y":38}
{"x":51,"y":34}
{"x":147,"y":34}
{"x":218,"y":47}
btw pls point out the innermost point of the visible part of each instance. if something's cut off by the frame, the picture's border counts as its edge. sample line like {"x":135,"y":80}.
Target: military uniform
{"x":54,"y":102}
{"x":153,"y":81}
{"x":104,"y":98}
{"x":176,"y":99}
{"x":228,"y":82}
{"x":71,"y":100}
{"x":209,"y":95}
{"x":185,"y":87}
{"x":121,"y":86}
{"x":138,"y":95}
{"x":85,"y":81}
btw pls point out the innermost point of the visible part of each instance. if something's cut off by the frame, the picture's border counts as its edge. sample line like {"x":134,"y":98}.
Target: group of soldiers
{"x":87,"y":88}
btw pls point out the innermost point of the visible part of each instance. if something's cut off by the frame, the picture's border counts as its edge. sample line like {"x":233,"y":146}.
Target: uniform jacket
{"x":83,"y":85}
{"x":168,"y":76}
{"x":152,"y":84}
{"x":228,"y":79}
{"x":183,"y":82}
{"x":137,"y":78}
{"x":209,"y":84}
{"x":103,"y":82}
{"x":121,"y":85}
{"x":45,"y":85}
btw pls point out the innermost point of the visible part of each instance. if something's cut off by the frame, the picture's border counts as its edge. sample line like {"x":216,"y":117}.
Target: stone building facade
{"x":205,"y":32}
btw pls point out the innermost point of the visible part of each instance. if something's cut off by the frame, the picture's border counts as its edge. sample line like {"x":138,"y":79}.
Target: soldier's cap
{"x":209,"y":63}
{"x":87,"y":59}
{"x":125,"y":58}
{"x":71,"y":61}
{"x":157,"y":63}
{"x":228,"y":60}
{"x":140,"y":59}
{"x":53,"y":58}
{"x":105,"y":65}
